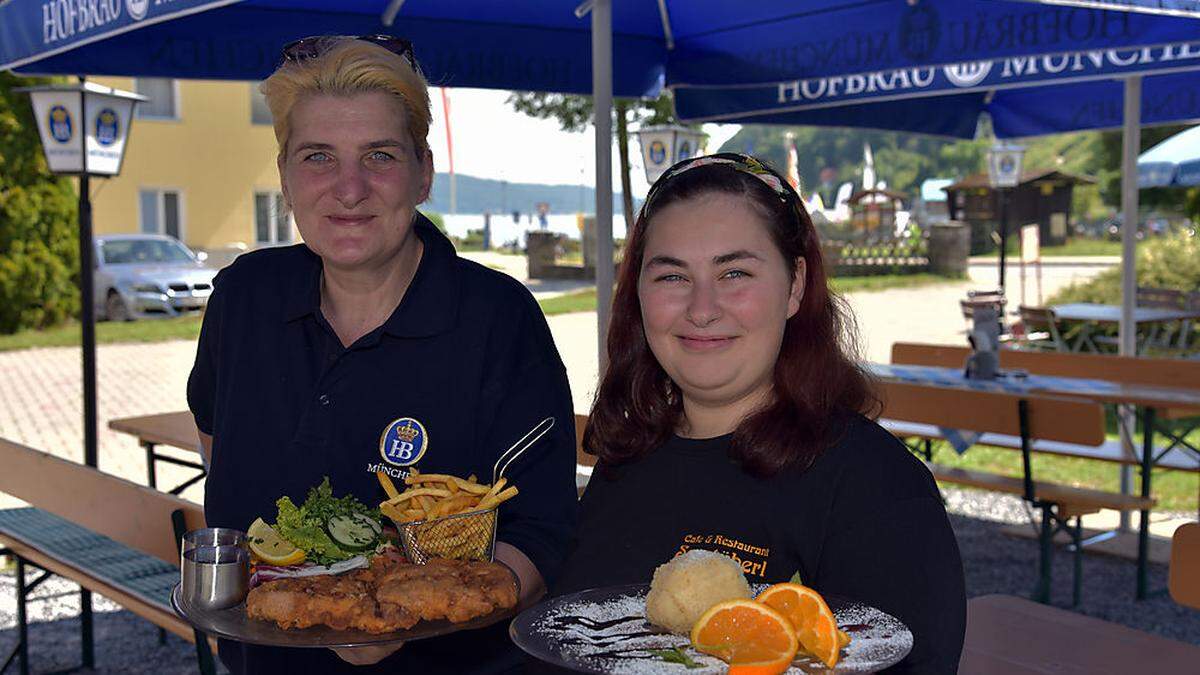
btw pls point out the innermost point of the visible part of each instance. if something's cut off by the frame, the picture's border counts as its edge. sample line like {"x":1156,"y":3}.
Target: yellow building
{"x":200,"y":166}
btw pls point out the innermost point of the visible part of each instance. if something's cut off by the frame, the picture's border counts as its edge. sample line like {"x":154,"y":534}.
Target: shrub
{"x":1164,"y":262}
{"x":39,"y":239}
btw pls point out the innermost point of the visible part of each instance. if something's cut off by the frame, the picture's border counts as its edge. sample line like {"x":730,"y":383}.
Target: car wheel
{"x":115,"y":309}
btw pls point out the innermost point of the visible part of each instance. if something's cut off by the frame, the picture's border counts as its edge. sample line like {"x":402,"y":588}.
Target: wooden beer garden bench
{"x":105,"y":533}
{"x":1025,"y":417}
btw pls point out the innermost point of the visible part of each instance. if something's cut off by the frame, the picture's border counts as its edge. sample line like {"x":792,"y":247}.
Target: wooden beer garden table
{"x":1147,"y":398}
{"x":175,"y":429}
{"x":1091,"y":314}
{"x":1013,"y":636}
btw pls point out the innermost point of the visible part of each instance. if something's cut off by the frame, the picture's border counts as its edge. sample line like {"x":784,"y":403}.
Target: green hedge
{"x":39,"y":239}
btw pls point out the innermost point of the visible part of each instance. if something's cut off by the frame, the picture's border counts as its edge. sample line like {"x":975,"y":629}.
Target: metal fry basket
{"x":462,"y":536}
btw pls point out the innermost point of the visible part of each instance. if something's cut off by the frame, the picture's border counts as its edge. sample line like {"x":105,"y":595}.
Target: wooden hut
{"x":1043,"y":196}
{"x":873,"y":212}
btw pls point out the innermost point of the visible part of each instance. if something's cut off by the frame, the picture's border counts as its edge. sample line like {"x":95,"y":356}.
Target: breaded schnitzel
{"x":343,"y":602}
{"x":386,"y":597}
{"x":458,"y":590}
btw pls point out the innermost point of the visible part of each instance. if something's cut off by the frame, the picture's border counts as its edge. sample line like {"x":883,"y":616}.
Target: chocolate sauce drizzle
{"x":641,"y":629}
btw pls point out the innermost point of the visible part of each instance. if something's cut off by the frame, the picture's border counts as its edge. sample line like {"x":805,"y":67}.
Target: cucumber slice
{"x":353,"y":533}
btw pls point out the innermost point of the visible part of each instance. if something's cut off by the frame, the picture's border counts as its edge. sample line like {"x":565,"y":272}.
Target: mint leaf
{"x":675,"y":655}
{"x":796,"y":578}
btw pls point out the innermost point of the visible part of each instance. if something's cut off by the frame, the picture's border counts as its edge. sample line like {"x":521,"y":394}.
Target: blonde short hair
{"x":347,"y":68}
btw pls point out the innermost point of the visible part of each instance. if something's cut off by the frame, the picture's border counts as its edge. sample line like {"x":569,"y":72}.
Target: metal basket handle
{"x":527,"y":441}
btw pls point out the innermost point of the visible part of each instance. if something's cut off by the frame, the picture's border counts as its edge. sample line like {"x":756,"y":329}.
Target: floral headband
{"x":739,"y":162}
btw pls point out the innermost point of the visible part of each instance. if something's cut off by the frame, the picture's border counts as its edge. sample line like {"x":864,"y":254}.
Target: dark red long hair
{"x":816,"y":380}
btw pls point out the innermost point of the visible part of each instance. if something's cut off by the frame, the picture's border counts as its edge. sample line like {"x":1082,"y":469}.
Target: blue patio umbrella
{"x":538,"y":45}
{"x":1173,"y":163}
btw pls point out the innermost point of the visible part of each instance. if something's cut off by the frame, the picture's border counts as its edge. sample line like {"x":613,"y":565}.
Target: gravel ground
{"x":994,"y":562}
{"x":125,"y":643}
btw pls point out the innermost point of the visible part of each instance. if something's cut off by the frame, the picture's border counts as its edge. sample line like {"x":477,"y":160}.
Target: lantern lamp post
{"x":1004,"y":174}
{"x":84,"y":129}
{"x":665,"y":145}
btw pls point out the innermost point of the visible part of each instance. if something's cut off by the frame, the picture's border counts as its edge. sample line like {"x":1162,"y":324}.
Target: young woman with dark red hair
{"x":732,"y":417}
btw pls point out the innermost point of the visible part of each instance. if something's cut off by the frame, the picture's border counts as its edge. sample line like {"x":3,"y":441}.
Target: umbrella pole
{"x":602,"y":100}
{"x":1130,"y":143}
{"x":87,"y":293}
{"x":87,"y":321}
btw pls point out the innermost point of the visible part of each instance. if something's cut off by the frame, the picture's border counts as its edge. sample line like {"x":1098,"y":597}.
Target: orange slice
{"x":751,"y":637}
{"x":816,"y":628}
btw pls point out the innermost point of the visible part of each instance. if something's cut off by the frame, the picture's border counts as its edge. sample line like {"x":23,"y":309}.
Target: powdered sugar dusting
{"x":605,"y":631}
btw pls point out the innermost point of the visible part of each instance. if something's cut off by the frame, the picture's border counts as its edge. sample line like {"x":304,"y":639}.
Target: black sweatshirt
{"x":865,"y":522}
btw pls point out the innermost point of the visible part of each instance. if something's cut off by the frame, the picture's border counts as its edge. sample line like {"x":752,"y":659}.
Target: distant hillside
{"x":476,"y":195}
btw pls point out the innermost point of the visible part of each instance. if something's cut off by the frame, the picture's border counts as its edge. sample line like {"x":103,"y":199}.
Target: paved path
{"x":40,"y":392}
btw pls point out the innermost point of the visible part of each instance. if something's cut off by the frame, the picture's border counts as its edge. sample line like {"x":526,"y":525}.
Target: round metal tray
{"x":232,"y":623}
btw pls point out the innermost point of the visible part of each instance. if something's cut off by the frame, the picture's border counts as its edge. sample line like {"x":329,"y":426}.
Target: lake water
{"x":505,"y":230}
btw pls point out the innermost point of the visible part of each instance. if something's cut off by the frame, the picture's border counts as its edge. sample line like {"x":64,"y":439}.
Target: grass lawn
{"x":585,"y":300}
{"x":579,"y":301}
{"x":1175,"y":490}
{"x":1078,"y":246}
{"x":188,"y":328}
{"x":477,"y":247}
{"x":107,"y":332}
{"x":883,"y":282}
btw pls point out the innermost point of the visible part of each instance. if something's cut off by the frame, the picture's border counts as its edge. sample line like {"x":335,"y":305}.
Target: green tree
{"x":39,"y":240}
{"x":574,"y":113}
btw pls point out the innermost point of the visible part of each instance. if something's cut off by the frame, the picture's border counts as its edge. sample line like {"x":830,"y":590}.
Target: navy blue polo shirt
{"x":461,"y":370}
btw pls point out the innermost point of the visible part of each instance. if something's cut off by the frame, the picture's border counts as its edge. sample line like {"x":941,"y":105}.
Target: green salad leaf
{"x":304,"y":526}
{"x":322,"y":505}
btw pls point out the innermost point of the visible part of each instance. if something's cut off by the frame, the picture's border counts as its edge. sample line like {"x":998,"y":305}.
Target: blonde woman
{"x":313,"y":356}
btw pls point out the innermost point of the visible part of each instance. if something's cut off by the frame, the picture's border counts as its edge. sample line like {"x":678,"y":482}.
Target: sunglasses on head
{"x":316,"y":45}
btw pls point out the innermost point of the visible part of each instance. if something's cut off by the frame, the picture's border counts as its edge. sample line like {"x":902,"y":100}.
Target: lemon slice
{"x":271,"y":548}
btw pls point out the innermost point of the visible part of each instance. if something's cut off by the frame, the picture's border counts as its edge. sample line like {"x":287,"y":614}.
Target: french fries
{"x":445,"y":516}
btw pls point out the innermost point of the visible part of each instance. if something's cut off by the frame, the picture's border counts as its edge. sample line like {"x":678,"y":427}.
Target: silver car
{"x":148,"y":275}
